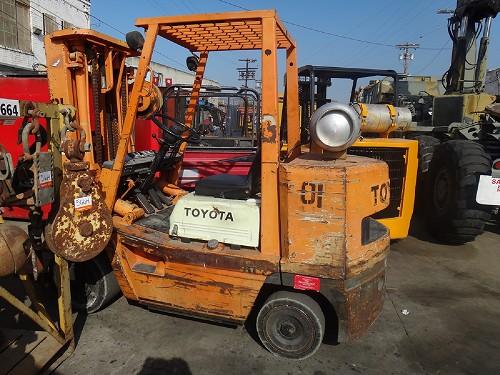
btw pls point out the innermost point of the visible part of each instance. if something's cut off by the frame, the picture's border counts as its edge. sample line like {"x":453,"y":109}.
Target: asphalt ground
{"x":441,"y":316}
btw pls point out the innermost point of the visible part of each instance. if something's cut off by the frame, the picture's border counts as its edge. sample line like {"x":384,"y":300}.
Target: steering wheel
{"x":181,"y":128}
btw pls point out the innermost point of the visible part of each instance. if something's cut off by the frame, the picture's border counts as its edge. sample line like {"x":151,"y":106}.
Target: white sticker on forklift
{"x":488,"y":191}
{"x":45,"y":179}
{"x":83,"y":203}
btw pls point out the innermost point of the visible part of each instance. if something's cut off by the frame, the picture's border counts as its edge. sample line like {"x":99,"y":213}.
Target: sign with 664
{"x":9,"y":108}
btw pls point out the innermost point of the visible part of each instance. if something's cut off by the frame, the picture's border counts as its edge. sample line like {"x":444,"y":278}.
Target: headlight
{"x":335,"y":126}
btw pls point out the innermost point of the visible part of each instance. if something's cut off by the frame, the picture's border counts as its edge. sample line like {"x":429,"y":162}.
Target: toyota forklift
{"x":293,"y":244}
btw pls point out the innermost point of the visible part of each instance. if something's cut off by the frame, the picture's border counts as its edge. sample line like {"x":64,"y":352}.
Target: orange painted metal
{"x":191,"y":110}
{"x":68,"y":70}
{"x":219,"y":31}
{"x":110,"y":177}
{"x":313,"y":209}
{"x":322,"y":230}
{"x":292,"y":107}
{"x":195,"y":92}
{"x":237,"y":31}
{"x":220,"y":282}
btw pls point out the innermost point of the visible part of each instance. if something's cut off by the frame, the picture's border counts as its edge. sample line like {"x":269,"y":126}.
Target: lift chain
{"x":96,"y":95}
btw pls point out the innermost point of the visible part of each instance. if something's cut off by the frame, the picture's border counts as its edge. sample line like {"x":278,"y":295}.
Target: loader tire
{"x":453,"y":215}
{"x":426,"y":145}
{"x":93,"y":284}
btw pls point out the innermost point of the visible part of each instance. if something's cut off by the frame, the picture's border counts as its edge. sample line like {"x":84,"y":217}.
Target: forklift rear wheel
{"x":93,"y":284}
{"x":291,"y":325}
{"x":451,"y":209}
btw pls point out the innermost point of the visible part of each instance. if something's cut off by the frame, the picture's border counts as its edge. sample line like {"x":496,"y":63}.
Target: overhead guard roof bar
{"x":249,"y":30}
{"x":218,"y":31}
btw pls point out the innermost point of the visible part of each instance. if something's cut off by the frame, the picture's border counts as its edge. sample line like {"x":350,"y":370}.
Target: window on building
{"x":15,"y":30}
{"x":67,"y":25}
{"x":49,"y":24}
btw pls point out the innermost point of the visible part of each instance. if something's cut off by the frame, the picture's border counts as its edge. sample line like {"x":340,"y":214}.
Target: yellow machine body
{"x":402,"y":157}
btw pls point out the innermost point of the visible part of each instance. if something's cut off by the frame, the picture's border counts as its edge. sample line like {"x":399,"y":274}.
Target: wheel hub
{"x":442,"y":186}
{"x":287,"y":329}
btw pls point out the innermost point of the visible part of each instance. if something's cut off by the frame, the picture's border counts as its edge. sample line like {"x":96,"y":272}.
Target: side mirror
{"x":192,"y":63}
{"x":135,"y":40}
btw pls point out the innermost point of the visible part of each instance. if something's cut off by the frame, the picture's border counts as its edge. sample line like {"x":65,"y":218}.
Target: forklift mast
{"x":468,"y":61}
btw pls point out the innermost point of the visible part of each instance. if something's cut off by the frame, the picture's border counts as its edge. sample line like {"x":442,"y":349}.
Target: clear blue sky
{"x":383,"y":21}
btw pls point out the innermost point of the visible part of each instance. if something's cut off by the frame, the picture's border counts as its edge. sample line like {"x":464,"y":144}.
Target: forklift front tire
{"x":291,"y":325}
{"x":93,"y":284}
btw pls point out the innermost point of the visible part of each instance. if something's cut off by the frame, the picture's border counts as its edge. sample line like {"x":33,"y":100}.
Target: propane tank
{"x":381,"y":118}
{"x":336,"y":126}
{"x":13,"y":255}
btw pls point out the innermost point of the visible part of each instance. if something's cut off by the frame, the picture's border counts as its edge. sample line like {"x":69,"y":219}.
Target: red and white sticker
{"x":83,"y":203}
{"x":488,"y":191}
{"x":45,"y":179}
{"x":301,"y":282}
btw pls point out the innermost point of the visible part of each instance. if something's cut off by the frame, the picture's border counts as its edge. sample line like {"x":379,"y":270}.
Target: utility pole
{"x":406,"y":55}
{"x":247,"y":73}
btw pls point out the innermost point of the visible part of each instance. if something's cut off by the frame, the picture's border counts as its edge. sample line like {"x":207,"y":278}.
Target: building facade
{"x":24,"y":23}
{"x":166,"y":75}
{"x":492,"y":82}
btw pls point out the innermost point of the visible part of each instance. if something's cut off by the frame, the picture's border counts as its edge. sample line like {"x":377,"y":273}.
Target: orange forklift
{"x":292,"y":243}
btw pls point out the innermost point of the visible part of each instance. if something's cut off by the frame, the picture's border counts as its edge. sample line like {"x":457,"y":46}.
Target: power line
{"x":159,"y":4}
{"x":353,"y":27}
{"x":108,"y":25}
{"x":341,"y":36}
{"x":435,"y":57}
{"x":190,"y":7}
{"x":380,"y":29}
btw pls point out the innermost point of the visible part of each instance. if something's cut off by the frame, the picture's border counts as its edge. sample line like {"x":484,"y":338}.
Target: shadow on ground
{"x":160,"y":366}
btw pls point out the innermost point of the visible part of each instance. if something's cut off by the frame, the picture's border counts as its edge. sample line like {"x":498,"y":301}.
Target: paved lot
{"x":452,"y":295}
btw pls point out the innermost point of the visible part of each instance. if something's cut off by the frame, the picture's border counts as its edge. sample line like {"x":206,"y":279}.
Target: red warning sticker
{"x":306,"y":283}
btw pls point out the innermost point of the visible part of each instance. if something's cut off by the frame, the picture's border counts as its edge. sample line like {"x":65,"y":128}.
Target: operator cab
{"x":222,"y":208}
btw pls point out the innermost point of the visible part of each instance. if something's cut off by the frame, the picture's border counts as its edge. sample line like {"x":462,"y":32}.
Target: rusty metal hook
{"x":9,"y":165}
{"x":31,"y":128}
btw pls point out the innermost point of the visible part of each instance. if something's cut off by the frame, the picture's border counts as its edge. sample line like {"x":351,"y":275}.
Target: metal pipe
{"x":487,"y":27}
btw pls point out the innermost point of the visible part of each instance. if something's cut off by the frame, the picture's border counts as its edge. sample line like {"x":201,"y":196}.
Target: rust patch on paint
{"x":269,"y":129}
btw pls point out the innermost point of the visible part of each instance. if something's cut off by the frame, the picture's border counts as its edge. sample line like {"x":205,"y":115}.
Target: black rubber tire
{"x":93,"y":284}
{"x":296,"y":315}
{"x":426,"y":145}
{"x":453,"y":215}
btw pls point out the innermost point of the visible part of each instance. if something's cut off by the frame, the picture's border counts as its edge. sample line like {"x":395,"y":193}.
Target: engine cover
{"x":230,"y":221}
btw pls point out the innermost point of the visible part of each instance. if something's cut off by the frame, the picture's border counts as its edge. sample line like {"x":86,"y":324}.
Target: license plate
{"x":488,"y":191}
{"x":9,"y":108}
